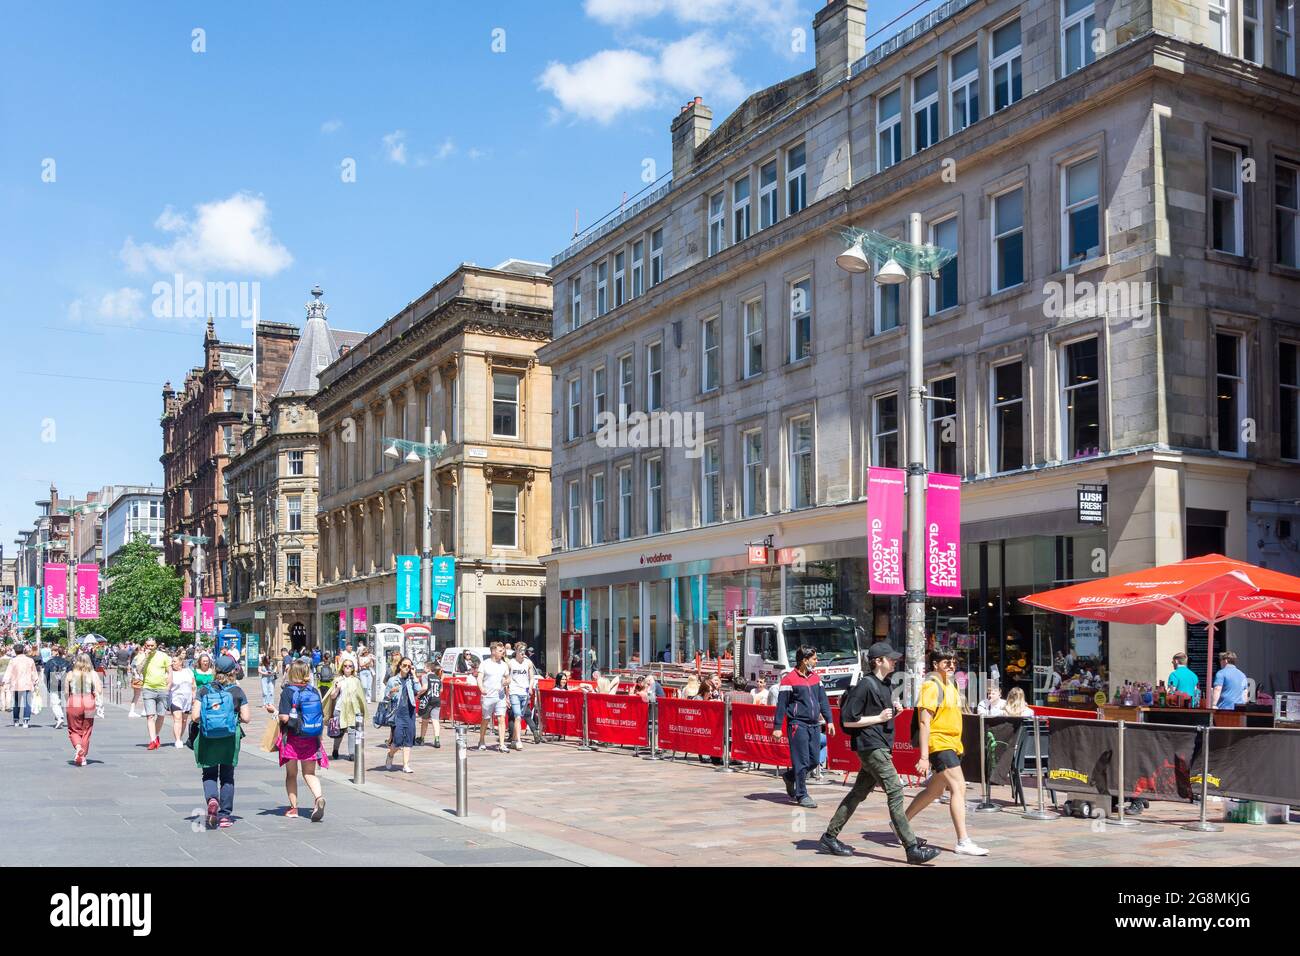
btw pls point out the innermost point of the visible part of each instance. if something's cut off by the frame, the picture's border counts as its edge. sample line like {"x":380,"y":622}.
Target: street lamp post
{"x":73,"y":512}
{"x":912,"y":261}
{"x":426,"y":451}
{"x":197,"y":541}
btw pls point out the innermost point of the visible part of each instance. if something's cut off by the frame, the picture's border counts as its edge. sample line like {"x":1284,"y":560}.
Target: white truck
{"x":767,"y":647}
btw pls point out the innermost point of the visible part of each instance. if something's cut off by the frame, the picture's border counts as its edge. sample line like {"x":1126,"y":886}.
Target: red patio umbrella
{"x":1207,"y":589}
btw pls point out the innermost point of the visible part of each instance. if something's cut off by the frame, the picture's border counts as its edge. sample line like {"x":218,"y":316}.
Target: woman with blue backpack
{"x":302,"y":721}
{"x":219,"y":708}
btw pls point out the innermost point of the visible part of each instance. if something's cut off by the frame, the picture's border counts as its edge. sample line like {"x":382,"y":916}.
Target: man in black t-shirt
{"x":867,"y":714}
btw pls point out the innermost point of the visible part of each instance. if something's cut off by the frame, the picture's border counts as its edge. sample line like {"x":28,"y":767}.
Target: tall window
{"x":598,"y":508}
{"x":796,"y":180}
{"x":884,"y":427}
{"x":1004,"y":68}
{"x":656,"y":257}
{"x":1077,"y":23}
{"x":889,"y":130}
{"x":801,"y":319}
{"x":1288,"y":398}
{"x":625,"y":385}
{"x":943,"y":290}
{"x":717,"y":223}
{"x":1007,"y":421}
{"x":1080,"y":212}
{"x":654,"y":377}
{"x":228,"y":438}
{"x":710,"y":354}
{"x":1009,"y":239}
{"x":767,"y":211}
{"x":1286,"y":214}
{"x":505,"y":515}
{"x":710,"y":484}
{"x":620,"y":277}
{"x":1230,"y":390}
{"x":598,"y":401}
{"x":574,"y":422}
{"x":1225,"y":215}
{"x":925,"y":110}
{"x":505,"y":405}
{"x":889,"y":300}
{"x":1252,"y":47}
{"x":654,"y":496}
{"x":227,"y":399}
{"x":602,"y":284}
{"x":638,"y":267}
{"x":801,"y":462}
{"x":294,"y":503}
{"x":753,"y":321}
{"x":740,"y":210}
{"x":624,"y":502}
{"x":942,"y":413}
{"x":1080,"y":400}
{"x":295,"y":463}
{"x":293,"y":568}
{"x":1284,"y":36}
{"x":575,"y":302}
{"x":574,"y":523}
{"x":964,"y":88}
{"x":1220,"y":26}
{"x":755,"y":491}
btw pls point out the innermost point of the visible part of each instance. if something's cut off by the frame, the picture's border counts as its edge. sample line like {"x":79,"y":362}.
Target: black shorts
{"x":942,"y":760}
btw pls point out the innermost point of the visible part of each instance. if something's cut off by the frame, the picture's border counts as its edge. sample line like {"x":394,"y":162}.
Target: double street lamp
{"x":426,"y":451}
{"x":909,"y":261}
{"x":75,"y":511}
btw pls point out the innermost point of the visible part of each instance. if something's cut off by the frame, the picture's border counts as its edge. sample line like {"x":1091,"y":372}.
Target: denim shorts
{"x":155,"y":702}
{"x":519,"y":704}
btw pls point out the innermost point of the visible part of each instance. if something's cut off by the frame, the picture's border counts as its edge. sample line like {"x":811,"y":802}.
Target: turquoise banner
{"x":254,"y":652}
{"x":443,"y":590}
{"x":408,"y":586}
{"x":27,"y":607}
{"x":46,"y":621}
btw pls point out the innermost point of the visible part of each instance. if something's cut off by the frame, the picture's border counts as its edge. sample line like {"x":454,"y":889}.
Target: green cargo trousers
{"x":877,"y":768}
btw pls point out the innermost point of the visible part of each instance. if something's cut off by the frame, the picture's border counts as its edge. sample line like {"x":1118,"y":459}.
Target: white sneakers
{"x":134,"y":714}
{"x":179,"y":745}
{"x":968,"y":847}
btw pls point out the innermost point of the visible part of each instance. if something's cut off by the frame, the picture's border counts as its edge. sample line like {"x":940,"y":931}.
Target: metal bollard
{"x":726,"y":739}
{"x":1202,"y":825}
{"x":462,"y":773}
{"x":1042,"y":813}
{"x":986,"y":805}
{"x":654,"y":731}
{"x":1120,"y":821}
{"x":359,"y":753}
{"x":586,"y":739}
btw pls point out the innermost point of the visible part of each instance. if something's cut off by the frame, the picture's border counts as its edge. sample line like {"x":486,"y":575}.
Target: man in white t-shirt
{"x":493,"y":685}
{"x":523,"y":678}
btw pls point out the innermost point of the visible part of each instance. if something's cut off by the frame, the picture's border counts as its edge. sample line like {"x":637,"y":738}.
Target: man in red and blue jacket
{"x":801,"y":702}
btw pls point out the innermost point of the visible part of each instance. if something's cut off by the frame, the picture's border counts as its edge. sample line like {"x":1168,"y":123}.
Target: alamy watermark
{"x":178,"y":298}
{"x":1077,"y":299}
{"x":652,"y":430}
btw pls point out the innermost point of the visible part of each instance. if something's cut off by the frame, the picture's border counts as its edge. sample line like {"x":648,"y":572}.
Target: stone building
{"x":274,"y":488}
{"x":460,"y":360}
{"x":200,"y":424}
{"x":1119,"y":181}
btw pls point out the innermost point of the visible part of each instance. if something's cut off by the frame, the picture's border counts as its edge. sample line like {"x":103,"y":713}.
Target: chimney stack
{"x":840,"y":38}
{"x":690,"y":129}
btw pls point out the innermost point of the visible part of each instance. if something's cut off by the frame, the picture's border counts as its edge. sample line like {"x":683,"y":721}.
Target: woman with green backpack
{"x":219,"y":710}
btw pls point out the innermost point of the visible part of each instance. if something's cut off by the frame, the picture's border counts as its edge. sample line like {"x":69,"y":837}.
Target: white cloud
{"x":475,"y":153}
{"x":122,"y":305}
{"x":446,"y":149}
{"x":331,"y":126}
{"x":612,"y":82}
{"x":395,"y":146}
{"x":623,"y":13}
{"x":226,"y":235}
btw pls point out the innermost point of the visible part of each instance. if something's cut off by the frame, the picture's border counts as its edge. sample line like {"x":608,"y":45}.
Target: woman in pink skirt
{"x":82,"y":690}
{"x":299,"y":750}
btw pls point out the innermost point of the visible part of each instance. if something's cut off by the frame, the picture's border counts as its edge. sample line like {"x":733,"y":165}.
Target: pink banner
{"x":943,"y":536}
{"x":730,"y":604}
{"x":88,"y":591}
{"x":343,"y":622}
{"x":56,"y":590}
{"x":358,"y":620}
{"x":885,"y":529}
{"x":208,"y":614}
{"x":187,"y":615}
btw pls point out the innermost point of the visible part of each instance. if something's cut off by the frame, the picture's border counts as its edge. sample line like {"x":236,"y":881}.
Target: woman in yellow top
{"x":939,"y":711}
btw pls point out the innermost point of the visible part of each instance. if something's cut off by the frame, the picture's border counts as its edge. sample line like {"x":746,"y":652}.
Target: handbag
{"x":334,"y":728}
{"x":385,"y":714}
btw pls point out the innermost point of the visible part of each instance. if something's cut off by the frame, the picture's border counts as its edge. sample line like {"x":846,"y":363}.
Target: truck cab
{"x":768,"y":646}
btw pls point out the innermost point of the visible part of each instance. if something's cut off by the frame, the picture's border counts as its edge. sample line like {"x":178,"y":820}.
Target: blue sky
{"x":476,"y":131}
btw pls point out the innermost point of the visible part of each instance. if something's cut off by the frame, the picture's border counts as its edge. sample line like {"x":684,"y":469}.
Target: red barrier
{"x":561,"y":712}
{"x":840,"y":755}
{"x":618,"y":719}
{"x":692,"y":726}
{"x":751,"y":736}
{"x":466,"y":705}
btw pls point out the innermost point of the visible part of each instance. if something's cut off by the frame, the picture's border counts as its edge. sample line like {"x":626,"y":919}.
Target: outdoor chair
{"x":1023,"y":761}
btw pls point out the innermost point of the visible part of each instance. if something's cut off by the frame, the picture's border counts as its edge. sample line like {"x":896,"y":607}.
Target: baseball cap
{"x":225,"y":664}
{"x":883,"y":649}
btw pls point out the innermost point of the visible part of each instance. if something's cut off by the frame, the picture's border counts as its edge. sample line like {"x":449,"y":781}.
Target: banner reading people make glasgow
{"x":187,"y":615}
{"x":885,"y":530}
{"x":943,"y":536}
{"x":56,"y":591}
{"x":88,"y":591}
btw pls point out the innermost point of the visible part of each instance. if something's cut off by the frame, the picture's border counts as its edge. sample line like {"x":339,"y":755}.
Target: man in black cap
{"x":867,"y":714}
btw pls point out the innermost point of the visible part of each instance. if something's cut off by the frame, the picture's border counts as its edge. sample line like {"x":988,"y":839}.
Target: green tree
{"x":141,"y":598}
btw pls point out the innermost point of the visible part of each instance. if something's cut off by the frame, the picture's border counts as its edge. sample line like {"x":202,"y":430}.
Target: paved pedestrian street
{"x":550,"y":804}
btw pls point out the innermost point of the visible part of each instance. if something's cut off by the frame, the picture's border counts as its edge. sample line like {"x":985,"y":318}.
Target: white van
{"x":452,"y":655}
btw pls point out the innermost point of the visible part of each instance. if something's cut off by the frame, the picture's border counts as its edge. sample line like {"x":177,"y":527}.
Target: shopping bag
{"x":36,"y":703}
{"x":271,"y":735}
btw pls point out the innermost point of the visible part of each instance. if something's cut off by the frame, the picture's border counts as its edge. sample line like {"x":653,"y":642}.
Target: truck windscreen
{"x":834,"y":645}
